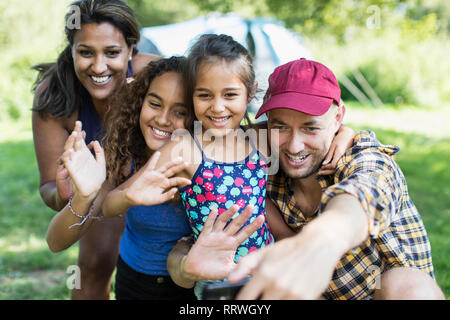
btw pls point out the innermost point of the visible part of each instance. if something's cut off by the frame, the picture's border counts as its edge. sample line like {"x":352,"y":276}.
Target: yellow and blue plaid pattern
{"x":397,"y":235}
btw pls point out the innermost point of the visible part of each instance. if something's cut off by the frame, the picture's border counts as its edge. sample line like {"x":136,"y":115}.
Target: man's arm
{"x":301,"y":267}
{"x":176,"y":261}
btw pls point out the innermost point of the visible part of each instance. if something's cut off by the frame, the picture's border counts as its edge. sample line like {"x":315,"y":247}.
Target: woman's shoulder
{"x":141,"y":60}
{"x":43,"y":119}
{"x":43,"y":116}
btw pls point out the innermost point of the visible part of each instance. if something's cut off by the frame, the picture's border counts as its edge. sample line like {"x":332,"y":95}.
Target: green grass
{"x":28,"y":270}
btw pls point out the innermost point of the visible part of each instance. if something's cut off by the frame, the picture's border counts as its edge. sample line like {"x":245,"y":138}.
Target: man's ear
{"x":340,"y":112}
{"x":252,"y":93}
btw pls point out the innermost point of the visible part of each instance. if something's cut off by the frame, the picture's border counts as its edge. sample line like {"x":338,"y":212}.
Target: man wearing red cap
{"x":358,"y":229}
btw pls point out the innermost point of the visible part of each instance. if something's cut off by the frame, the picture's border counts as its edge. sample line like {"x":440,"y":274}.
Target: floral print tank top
{"x":221,"y":185}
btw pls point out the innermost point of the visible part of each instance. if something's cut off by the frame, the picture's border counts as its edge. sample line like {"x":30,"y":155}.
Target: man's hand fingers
{"x":252,"y":290}
{"x":246,"y":266}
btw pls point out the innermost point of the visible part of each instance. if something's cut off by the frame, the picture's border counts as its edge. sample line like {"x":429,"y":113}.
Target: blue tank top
{"x":150,"y":233}
{"x":221,"y":185}
{"x":87,"y":114}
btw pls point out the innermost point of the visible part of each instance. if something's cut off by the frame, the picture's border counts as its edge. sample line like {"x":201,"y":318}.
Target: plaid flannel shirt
{"x":397,"y":234}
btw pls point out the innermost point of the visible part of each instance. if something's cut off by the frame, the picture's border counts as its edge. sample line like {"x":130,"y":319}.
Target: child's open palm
{"x":154,"y":186}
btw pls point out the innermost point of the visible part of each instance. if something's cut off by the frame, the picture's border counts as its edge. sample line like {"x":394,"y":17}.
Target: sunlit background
{"x":390,"y":57}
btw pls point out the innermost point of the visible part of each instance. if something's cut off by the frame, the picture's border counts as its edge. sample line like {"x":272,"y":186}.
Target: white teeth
{"x":100,"y":79}
{"x":161,"y":133}
{"x":296,"y":159}
{"x":219,"y":119}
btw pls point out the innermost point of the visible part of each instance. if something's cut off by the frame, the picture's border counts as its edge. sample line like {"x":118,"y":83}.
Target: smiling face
{"x":303,"y":140}
{"x":220,"y":97}
{"x":163,"y":110}
{"x":100,"y":56}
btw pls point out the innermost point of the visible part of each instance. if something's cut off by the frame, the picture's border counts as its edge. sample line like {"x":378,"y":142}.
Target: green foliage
{"x":247,"y":8}
{"x":399,"y":68}
{"x":387,"y":80}
{"x":155,"y":13}
{"x":30,"y":32}
{"x":338,"y":17}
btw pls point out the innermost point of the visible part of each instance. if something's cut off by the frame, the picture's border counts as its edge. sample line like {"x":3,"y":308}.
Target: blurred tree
{"x":154,"y":13}
{"x":341,"y":18}
{"x":441,"y":8}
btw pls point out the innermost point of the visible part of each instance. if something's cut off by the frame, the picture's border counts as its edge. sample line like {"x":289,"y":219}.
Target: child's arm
{"x":87,"y":175}
{"x":148,"y":187}
{"x":341,"y":142}
{"x":278,"y":227}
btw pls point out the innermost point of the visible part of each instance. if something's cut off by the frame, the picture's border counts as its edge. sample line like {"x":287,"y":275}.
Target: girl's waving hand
{"x":341,"y":142}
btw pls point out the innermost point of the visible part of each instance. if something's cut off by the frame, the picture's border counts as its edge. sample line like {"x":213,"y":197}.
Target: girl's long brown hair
{"x":123,"y":140}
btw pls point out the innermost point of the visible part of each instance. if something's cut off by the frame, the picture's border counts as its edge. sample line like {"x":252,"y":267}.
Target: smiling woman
{"x":99,"y":56}
{"x":100,"y":63}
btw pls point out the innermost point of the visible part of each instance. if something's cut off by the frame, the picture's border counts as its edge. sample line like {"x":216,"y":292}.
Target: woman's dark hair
{"x":123,"y":139}
{"x":60,"y":95}
{"x":212,"y":48}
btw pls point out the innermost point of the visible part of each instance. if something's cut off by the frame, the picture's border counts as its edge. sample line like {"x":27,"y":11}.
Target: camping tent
{"x":266,"y":39}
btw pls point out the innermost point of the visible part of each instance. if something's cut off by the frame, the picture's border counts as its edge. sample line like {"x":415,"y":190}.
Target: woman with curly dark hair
{"x":99,"y":55}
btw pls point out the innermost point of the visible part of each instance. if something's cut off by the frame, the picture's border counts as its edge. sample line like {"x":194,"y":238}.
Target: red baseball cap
{"x":301,"y":85}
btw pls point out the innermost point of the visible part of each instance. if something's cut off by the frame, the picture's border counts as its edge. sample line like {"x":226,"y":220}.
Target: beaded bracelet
{"x":88,"y":216}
